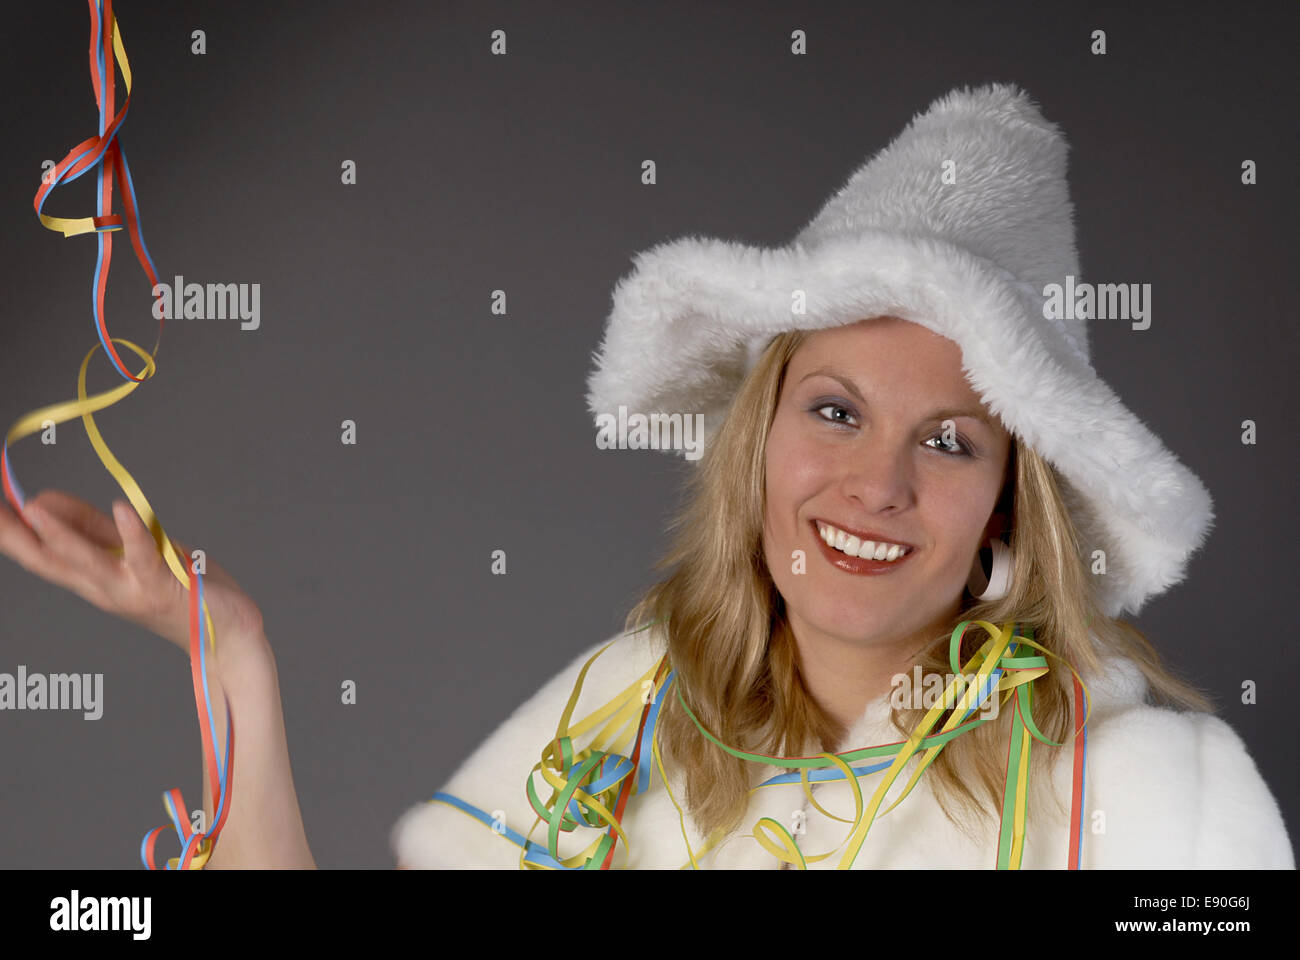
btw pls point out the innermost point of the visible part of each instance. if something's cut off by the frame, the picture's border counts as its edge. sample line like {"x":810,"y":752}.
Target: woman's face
{"x":878,"y":431}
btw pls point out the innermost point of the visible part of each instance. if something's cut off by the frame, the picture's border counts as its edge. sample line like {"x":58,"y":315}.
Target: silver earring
{"x":997,"y":583}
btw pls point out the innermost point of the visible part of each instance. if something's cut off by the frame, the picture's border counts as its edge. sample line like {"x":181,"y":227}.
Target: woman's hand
{"x":114,"y":564}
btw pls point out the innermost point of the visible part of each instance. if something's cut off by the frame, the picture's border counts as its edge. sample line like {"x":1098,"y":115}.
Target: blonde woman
{"x":903,"y":444}
{"x":894,"y":383}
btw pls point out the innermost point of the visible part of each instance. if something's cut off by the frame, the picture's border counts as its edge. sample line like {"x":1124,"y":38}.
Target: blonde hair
{"x":737,"y":666}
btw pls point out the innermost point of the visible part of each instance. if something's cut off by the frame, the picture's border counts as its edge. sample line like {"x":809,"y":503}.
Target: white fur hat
{"x":967,"y":259}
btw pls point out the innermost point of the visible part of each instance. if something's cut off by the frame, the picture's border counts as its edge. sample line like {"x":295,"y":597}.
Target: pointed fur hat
{"x":967,"y":259}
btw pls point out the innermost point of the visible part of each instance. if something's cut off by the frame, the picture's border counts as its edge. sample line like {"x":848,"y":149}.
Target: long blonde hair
{"x":729,"y":640}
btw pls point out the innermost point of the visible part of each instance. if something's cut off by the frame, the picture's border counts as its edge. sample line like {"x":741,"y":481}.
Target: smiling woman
{"x":861,"y":456}
{"x":797,"y":657}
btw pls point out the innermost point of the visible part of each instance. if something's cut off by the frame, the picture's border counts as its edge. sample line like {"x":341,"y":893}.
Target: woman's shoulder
{"x":1172,"y":788}
{"x":442,"y":833}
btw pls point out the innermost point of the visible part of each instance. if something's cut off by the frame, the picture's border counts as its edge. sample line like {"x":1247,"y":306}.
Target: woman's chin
{"x":856,"y":624}
{"x":865,"y":623}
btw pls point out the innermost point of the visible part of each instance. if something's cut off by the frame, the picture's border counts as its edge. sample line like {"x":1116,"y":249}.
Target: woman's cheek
{"x":805,"y":463}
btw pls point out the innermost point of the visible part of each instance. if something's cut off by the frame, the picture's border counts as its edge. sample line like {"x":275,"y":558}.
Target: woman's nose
{"x":877,"y":472}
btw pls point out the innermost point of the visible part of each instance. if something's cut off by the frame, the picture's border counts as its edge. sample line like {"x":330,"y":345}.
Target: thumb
{"x":140,"y":548}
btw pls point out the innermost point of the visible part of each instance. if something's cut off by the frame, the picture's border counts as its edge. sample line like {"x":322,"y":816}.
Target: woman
{"x":855,"y":442}
{"x":920,"y":401}
{"x":896,"y":374}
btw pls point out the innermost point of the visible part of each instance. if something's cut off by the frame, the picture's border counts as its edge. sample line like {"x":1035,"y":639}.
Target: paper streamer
{"x":103,"y":154}
{"x":587,"y":783}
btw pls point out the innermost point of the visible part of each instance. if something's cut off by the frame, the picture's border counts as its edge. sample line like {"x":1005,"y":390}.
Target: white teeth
{"x":855,"y":547}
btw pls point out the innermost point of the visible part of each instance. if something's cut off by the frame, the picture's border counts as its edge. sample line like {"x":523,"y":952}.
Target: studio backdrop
{"x":424,"y":209}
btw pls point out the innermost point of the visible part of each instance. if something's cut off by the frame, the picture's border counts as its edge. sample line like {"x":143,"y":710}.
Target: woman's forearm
{"x":264,"y":828}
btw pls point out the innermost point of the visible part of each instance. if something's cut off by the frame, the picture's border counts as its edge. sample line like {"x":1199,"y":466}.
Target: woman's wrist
{"x":245,"y":655}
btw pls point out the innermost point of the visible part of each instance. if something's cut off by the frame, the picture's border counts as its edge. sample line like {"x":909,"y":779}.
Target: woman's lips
{"x":856,"y":565}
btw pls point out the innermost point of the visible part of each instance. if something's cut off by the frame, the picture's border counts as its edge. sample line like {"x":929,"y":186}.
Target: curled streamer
{"x":104,"y":154}
{"x":587,"y":783}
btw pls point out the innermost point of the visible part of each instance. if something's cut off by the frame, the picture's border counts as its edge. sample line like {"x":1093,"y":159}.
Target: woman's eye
{"x":959,"y":450}
{"x":836,"y":408}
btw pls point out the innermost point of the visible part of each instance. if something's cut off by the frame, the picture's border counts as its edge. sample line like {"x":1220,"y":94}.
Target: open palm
{"x":113,"y":563}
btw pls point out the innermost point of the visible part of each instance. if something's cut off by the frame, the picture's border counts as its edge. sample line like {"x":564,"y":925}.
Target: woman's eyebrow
{"x":943,"y":414}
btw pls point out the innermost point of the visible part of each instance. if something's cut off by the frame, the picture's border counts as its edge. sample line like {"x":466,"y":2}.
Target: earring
{"x":997,"y":583}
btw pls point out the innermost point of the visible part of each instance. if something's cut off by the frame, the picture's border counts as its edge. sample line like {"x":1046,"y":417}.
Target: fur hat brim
{"x":689,"y":320}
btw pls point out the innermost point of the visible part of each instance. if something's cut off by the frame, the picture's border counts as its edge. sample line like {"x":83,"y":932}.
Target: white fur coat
{"x":1162,"y":790}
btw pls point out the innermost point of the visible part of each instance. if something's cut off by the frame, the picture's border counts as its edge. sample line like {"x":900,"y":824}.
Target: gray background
{"x":371,"y":562}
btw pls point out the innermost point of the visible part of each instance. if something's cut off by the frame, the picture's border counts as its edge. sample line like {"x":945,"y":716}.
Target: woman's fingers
{"x":156,"y":594}
{"x":67,"y":557}
{"x":142,"y":556}
{"x":113,"y":562}
{"x":80,"y":516}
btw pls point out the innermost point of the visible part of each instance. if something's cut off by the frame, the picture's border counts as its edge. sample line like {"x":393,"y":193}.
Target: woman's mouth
{"x":855,"y":554}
